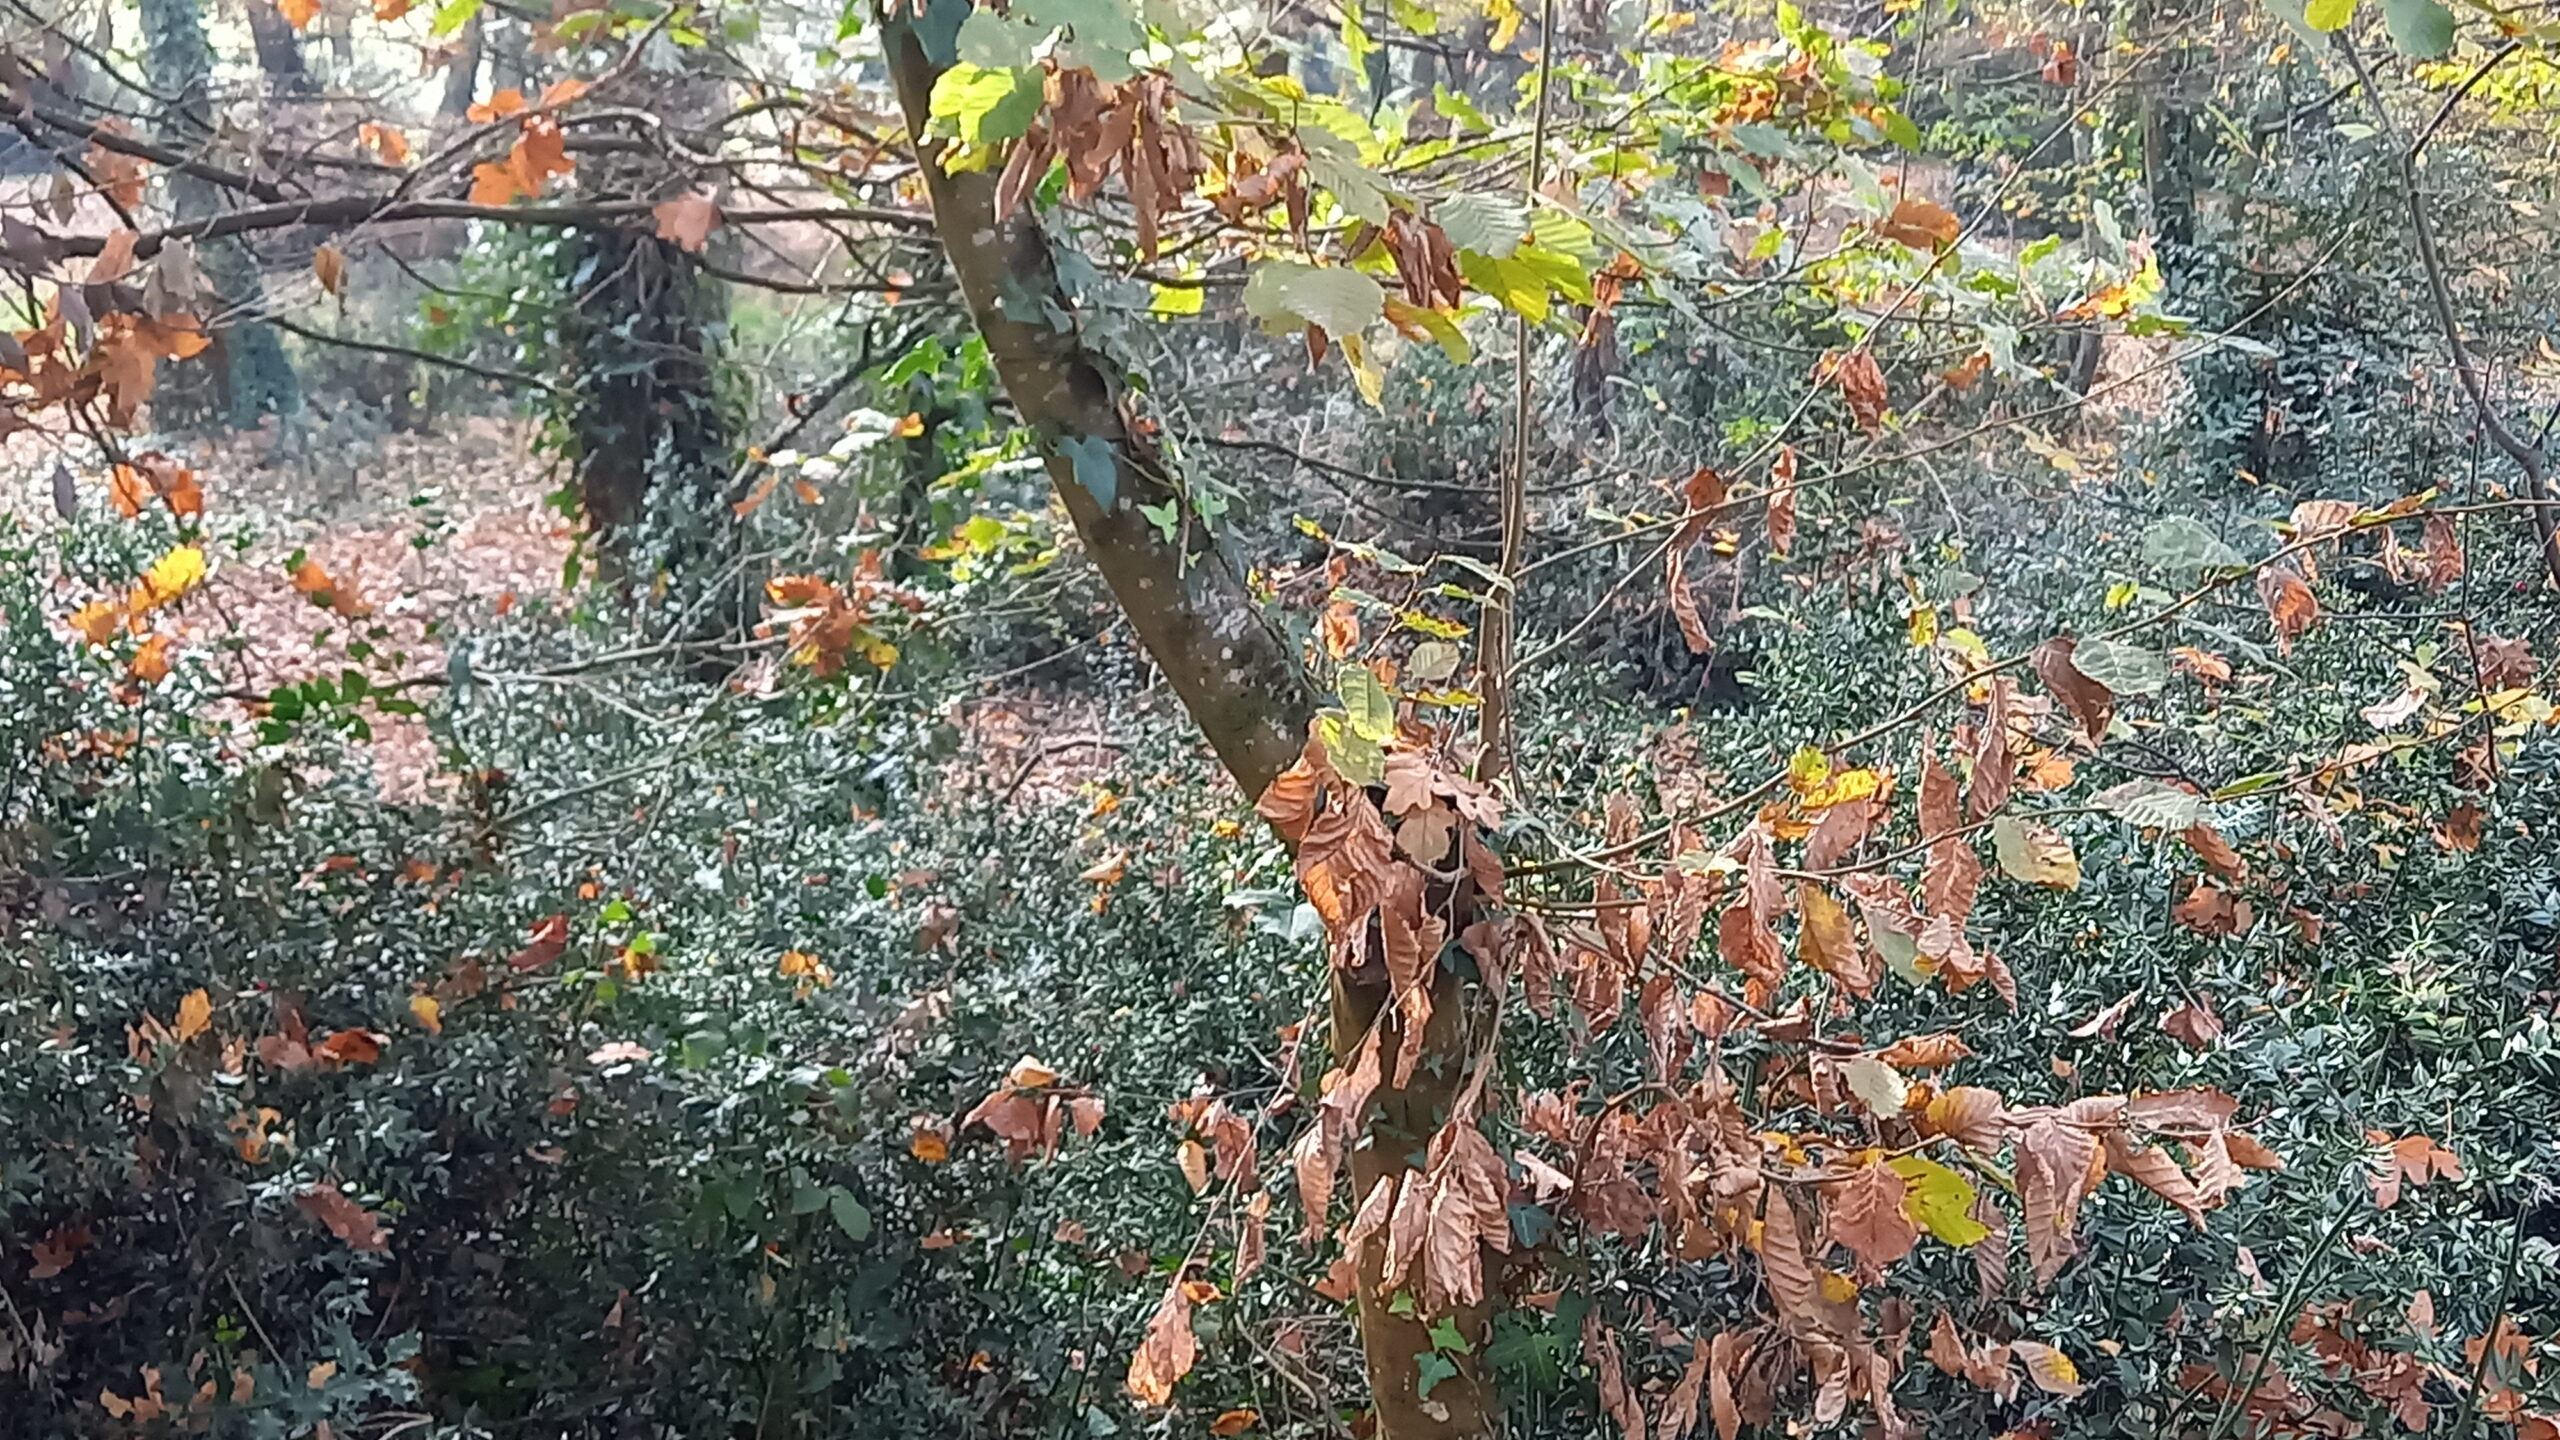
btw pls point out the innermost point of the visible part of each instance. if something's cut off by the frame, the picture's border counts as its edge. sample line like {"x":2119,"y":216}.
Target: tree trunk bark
{"x":1243,"y":686}
{"x":1185,"y":597}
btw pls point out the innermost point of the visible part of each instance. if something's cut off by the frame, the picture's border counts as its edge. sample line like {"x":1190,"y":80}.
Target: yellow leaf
{"x":1924,"y":627}
{"x":1807,"y":769}
{"x":169,"y":577}
{"x":1939,"y":1200}
{"x":429,"y":1012}
{"x":195,"y":1015}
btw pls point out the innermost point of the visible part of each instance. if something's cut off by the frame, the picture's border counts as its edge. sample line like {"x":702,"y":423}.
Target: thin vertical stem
{"x":1501,"y":626}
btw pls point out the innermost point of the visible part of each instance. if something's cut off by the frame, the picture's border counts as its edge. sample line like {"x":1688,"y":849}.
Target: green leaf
{"x":452,"y":16}
{"x":1939,"y":1200}
{"x":985,"y":104}
{"x":2182,"y":543}
{"x":2423,"y":28}
{"x":995,"y":42}
{"x":1285,"y":295}
{"x":2326,"y":15}
{"x":850,"y":1216}
{"x":1357,"y":187}
{"x":2125,"y":669}
{"x":2152,"y":805}
{"x":1354,"y":755}
{"x":1491,"y":225}
{"x":1437,"y":324}
{"x":1458,"y":108}
{"x":1371,"y":710}
{"x":1445,"y":1337}
{"x":1090,"y":460}
{"x":1107,"y":23}
{"x":1430,"y":1370}
{"x":1515,"y":285}
{"x":2250,"y":785}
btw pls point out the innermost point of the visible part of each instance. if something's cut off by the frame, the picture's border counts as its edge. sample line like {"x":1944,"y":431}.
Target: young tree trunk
{"x":255,"y":376}
{"x":1236,"y":675}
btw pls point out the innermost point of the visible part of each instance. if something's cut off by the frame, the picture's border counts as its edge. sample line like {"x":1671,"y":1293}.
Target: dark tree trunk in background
{"x":652,"y":432}
{"x":254,"y":376}
{"x":279,"y":49}
{"x":655,"y":439}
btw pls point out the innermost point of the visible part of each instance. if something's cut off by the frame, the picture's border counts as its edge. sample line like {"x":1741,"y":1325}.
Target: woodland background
{"x":592,"y":844}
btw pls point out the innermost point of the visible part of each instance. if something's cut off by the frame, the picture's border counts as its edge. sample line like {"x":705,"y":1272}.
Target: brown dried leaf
{"x":2089,"y":702}
{"x":2290,"y":604}
{"x":1866,"y":1215}
{"x":360,"y":1228}
{"x":1168,"y":1352}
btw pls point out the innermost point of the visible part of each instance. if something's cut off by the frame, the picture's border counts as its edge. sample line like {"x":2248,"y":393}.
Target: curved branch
{"x":2528,"y":456}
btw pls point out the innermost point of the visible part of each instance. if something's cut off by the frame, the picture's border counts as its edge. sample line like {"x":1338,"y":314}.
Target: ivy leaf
{"x":850,"y":1216}
{"x":1429,"y":1370}
{"x":1094,"y":466}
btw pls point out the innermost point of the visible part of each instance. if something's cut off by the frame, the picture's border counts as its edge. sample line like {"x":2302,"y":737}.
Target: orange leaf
{"x":389,"y":143}
{"x":300,"y":13}
{"x":1234,"y":1422}
{"x":2290,"y":604}
{"x":1920,"y":224}
{"x":351,"y":1047}
{"x":329,"y":267}
{"x":195,"y":1015}
{"x":1866,"y":1215}
{"x":429,"y":1012}
{"x":687,"y":221}
{"x":125,"y":486}
{"x":498,"y":106}
{"x":561,"y":92}
{"x":387,"y":11}
{"x":493,"y":184}
{"x":931,"y":1140}
{"x":150,"y":663}
{"x":98,"y":621}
